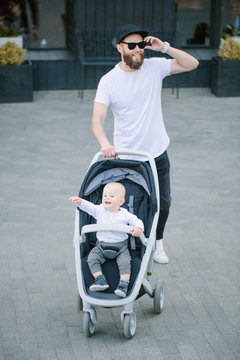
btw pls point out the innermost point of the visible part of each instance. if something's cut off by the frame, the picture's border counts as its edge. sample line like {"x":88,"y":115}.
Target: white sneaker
{"x":159,"y":255}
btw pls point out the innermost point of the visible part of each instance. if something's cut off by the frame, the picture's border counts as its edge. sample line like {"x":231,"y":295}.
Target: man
{"x":133,"y":92}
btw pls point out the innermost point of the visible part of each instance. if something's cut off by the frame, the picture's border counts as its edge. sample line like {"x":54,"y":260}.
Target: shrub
{"x":230,"y":50}
{"x":11,"y":54}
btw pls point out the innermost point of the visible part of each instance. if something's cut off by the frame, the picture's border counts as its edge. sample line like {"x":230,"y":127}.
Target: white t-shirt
{"x":135,"y":100}
{"x":104,"y":216}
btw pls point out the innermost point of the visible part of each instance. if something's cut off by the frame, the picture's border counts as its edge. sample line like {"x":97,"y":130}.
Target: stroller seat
{"x":111,"y":272}
{"x":109,"y":268}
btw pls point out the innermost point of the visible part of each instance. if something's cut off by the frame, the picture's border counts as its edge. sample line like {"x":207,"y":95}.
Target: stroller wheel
{"x":88,"y":325}
{"x":79,"y":303}
{"x":158,"y":297}
{"x":129,"y":325}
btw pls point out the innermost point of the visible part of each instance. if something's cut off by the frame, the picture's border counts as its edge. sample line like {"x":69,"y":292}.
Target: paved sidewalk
{"x":46,"y":148}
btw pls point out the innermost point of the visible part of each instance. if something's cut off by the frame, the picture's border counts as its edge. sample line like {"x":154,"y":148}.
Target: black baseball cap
{"x":129,"y":29}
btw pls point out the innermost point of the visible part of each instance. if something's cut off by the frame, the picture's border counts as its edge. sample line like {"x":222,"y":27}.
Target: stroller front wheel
{"x":129,"y":325}
{"x":88,"y":325}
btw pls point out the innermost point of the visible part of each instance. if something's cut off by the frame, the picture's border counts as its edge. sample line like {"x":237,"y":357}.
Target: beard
{"x":133,"y":63}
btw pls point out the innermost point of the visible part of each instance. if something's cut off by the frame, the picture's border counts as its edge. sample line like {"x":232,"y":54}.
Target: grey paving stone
{"x":66,"y":355}
{"x":62,"y":342}
{"x":173,"y":357}
{"x":59,"y":267}
{"x":188,"y":352}
{"x":11,"y":349}
{"x":233,"y":343}
{"x":167,"y":346}
{"x":45,"y":152}
{"x":220,"y":346}
{"x":207,"y":355}
{"x":31,"y":355}
{"x":82,"y":347}
{"x":180,"y":337}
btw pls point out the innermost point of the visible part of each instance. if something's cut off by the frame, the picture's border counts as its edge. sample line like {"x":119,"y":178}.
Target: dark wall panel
{"x":70,"y":20}
{"x":197,"y":78}
{"x":54,"y":75}
{"x":110,"y":14}
{"x":157,"y":16}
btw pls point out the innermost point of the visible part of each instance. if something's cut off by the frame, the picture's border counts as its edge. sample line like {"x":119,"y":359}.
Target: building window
{"x":230,"y":21}
{"x":40,"y":22}
{"x":193,"y":23}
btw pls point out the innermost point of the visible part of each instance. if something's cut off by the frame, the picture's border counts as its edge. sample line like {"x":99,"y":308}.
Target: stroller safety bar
{"x":111,"y":227}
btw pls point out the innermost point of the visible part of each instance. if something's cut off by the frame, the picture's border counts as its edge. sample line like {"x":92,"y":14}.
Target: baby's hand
{"x":136,"y":231}
{"x":75,"y":199}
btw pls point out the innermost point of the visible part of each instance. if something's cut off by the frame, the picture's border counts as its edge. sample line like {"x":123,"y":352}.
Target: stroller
{"x":142,"y":198}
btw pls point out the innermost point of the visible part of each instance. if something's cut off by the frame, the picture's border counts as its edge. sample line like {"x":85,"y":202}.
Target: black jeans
{"x":163,"y":170}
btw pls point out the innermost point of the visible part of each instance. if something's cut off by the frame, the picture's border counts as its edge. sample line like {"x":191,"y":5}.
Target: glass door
{"x":193,"y":23}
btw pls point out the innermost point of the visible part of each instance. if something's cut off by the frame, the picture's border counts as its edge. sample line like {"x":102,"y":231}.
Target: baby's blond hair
{"x":117,"y":187}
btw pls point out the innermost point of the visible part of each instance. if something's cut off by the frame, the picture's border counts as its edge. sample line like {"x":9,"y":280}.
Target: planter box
{"x":16,"y":39}
{"x":16,"y":83}
{"x":225,"y":77}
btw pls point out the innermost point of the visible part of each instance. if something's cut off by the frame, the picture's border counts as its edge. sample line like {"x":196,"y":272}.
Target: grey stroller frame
{"x":142,"y":282}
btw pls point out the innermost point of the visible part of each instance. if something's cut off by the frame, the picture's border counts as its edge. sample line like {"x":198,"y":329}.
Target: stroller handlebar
{"x":111,"y":227}
{"x":143,"y":154}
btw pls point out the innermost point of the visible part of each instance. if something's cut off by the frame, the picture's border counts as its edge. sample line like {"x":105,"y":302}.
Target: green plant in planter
{"x":8,"y":33}
{"x":230,"y":50}
{"x":11,"y":54}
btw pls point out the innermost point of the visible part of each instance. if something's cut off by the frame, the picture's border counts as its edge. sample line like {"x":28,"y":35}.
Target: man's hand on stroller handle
{"x":109,"y":151}
{"x":136,"y":231}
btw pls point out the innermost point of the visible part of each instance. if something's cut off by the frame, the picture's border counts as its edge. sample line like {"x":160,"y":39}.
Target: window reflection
{"x":230,"y":22}
{"x":40,"y":22}
{"x":193,"y":22}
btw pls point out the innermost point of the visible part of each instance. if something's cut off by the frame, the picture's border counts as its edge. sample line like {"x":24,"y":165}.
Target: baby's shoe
{"x":100,"y":284}
{"x":122,"y":288}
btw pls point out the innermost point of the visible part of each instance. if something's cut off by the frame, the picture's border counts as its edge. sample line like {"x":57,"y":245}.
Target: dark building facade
{"x":74,"y":45}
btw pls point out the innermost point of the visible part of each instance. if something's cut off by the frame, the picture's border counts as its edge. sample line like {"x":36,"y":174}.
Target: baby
{"x":110,"y":211}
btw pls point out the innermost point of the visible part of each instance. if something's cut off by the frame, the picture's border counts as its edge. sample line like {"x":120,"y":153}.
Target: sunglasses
{"x":132,"y":45}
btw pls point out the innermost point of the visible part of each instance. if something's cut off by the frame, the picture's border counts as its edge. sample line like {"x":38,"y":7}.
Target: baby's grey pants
{"x":96,"y":258}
